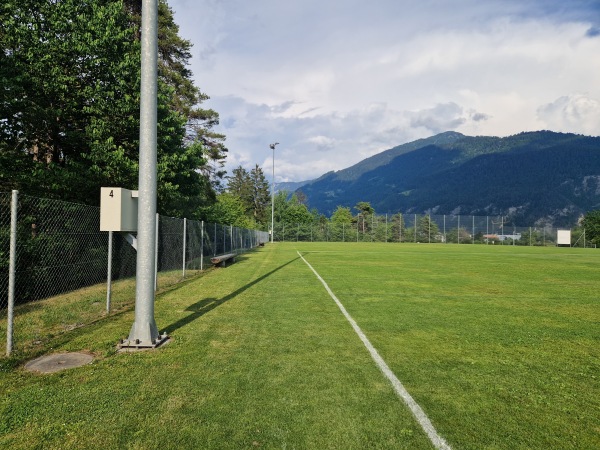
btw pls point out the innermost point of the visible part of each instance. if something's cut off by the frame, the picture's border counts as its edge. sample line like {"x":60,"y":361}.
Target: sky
{"x":337,"y":81}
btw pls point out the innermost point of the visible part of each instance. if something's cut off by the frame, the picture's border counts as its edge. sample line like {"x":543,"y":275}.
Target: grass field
{"x":499,"y":345}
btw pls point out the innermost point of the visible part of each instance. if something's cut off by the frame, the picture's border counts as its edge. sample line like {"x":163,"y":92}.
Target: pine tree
{"x":261,"y":199}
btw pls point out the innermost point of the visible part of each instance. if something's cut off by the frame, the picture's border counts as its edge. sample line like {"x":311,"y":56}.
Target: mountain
{"x":538,"y":177}
{"x":290,"y":186}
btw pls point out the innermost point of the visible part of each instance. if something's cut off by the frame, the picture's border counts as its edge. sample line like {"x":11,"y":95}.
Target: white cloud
{"x":577,"y":112}
{"x":338,"y":81}
{"x":322,"y":143}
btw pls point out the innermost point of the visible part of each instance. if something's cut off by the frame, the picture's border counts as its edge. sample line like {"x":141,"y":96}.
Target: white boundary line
{"x":416,"y":410}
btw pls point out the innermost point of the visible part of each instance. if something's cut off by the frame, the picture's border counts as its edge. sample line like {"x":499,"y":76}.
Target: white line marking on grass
{"x":416,"y":410}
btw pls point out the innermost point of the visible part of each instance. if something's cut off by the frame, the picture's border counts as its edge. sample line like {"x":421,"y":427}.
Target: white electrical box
{"x":118,"y":209}
{"x":563,"y":237}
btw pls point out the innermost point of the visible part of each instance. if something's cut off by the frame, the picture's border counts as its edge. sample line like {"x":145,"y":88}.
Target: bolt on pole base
{"x":143,"y":335}
{"x":138,"y":344}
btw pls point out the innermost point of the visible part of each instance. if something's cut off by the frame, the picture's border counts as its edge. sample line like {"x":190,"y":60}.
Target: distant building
{"x":502,"y":237}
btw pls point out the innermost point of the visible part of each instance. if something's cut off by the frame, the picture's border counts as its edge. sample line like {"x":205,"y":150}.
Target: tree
{"x":364,"y":208}
{"x":427,"y":230}
{"x":260,"y":195}
{"x":458,"y":236}
{"x":341,"y":215}
{"x":252,"y":189}
{"x":69,"y":103}
{"x":296,"y":213}
{"x":228,"y":210}
{"x":591,"y":225}
{"x":398,"y":228}
{"x":69,"y":95}
{"x":240,"y":185}
{"x":365,"y":211}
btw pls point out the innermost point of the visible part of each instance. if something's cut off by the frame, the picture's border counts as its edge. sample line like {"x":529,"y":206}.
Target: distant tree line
{"x":246,"y":202}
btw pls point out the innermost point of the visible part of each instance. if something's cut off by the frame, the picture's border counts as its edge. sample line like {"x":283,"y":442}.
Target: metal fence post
{"x":109,"y":272}
{"x":415,"y":228}
{"x":11,"y":271}
{"x":184,"y":244}
{"x":400,"y":228}
{"x":445,"y":240}
{"x":429,"y":228}
{"x":202,"y":245}
{"x":386,"y":228}
{"x":156,"y":253}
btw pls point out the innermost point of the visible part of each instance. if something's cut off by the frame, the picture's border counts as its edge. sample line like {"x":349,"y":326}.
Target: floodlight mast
{"x":144,"y":332}
{"x":272,"y":146}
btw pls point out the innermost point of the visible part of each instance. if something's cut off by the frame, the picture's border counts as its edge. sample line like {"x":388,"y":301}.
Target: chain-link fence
{"x":61,"y":255}
{"x":5,"y":203}
{"x":423,"y":228}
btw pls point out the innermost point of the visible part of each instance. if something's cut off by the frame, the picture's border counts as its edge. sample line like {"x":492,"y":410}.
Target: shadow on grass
{"x":206,"y":305}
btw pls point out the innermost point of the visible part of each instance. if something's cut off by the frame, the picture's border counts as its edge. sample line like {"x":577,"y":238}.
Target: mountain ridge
{"x":540,"y":177}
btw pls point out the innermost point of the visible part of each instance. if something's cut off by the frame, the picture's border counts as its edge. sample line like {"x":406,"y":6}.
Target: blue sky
{"x":336,"y":81}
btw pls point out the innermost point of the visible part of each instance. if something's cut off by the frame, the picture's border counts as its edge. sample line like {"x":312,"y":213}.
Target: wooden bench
{"x":222,"y":260}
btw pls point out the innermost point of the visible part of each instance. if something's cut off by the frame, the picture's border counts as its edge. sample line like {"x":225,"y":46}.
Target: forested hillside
{"x":542,"y":177}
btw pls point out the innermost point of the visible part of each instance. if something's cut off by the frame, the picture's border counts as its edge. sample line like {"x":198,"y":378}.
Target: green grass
{"x":499,"y":345}
{"x":39,"y":323}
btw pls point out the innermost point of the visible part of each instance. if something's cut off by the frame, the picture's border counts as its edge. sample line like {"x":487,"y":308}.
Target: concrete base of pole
{"x":143,"y":336}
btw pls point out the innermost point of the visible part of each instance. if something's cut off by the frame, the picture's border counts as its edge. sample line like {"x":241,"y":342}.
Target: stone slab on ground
{"x":58,"y":361}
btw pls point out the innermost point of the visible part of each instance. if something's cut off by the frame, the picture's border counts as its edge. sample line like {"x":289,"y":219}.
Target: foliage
{"x":365,"y":209}
{"x":252,"y":190}
{"x":295,"y":212}
{"x":69,"y":95}
{"x":427,"y":230}
{"x":228,"y":210}
{"x":342,"y":214}
{"x":398,"y":228}
{"x":70,"y":78}
{"x":591,"y":225}
{"x":458,"y":236}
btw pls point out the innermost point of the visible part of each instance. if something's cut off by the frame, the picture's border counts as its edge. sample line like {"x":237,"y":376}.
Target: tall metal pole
{"x":272,"y":146}
{"x":144,"y":332}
